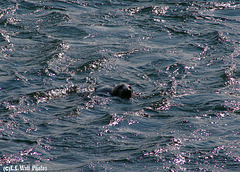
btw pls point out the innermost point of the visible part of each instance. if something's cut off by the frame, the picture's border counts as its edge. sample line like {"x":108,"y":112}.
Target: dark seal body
{"x":122,"y":90}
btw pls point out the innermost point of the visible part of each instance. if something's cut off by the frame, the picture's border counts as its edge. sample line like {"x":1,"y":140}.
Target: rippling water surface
{"x":180,"y":57}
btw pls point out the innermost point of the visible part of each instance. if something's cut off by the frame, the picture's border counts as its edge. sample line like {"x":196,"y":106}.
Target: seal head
{"x":122,"y":90}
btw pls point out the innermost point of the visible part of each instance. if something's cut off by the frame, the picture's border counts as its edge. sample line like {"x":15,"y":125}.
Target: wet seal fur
{"x":122,"y":90}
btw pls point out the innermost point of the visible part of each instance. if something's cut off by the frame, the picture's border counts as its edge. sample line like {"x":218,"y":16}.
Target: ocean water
{"x":180,"y":57}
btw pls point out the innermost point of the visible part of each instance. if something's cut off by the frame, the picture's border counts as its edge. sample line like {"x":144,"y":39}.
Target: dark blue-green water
{"x":180,"y":57}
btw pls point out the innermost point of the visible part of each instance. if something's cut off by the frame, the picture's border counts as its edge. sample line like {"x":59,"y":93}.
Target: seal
{"x":122,"y":90}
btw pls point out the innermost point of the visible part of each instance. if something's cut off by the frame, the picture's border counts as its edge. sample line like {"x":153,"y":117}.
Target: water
{"x":181,"y":58}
